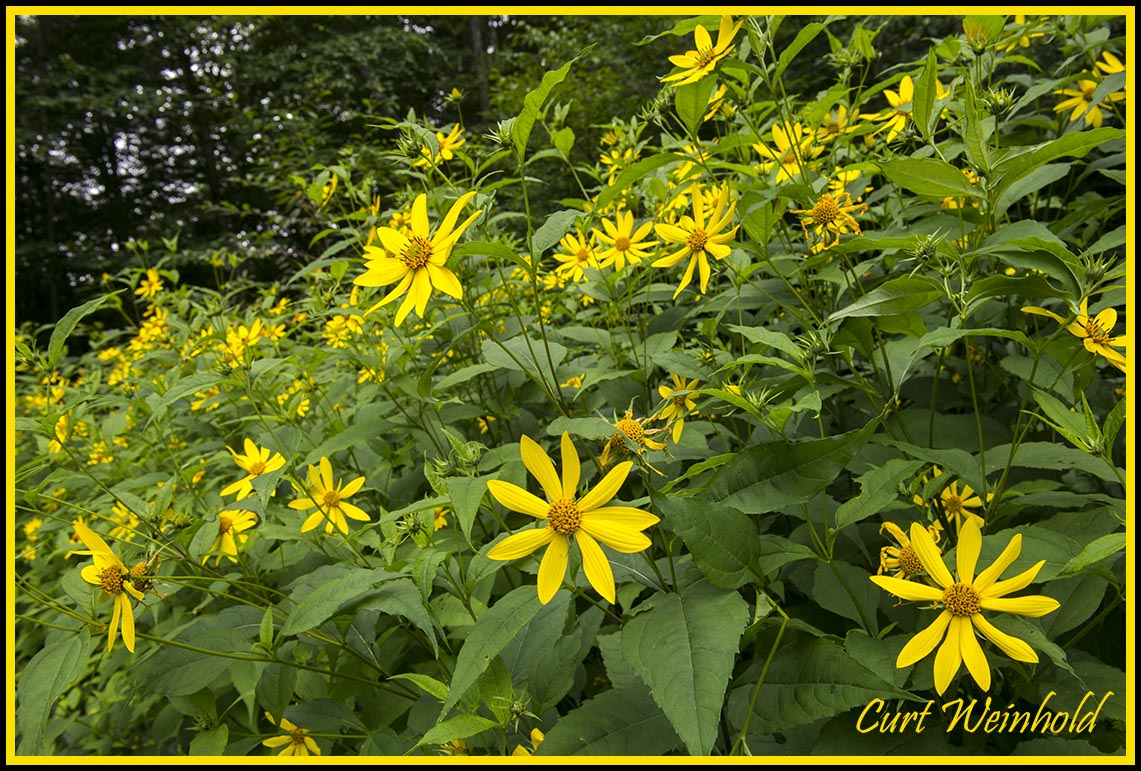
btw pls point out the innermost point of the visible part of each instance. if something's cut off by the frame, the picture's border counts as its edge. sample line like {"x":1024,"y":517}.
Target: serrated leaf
{"x":722,"y":540}
{"x":845,"y":590}
{"x":529,"y":655}
{"x":776,"y":551}
{"x":878,"y":488}
{"x":466,"y":494}
{"x":684,"y":649}
{"x":618,"y":722}
{"x":516,"y":354}
{"x":401,"y":597}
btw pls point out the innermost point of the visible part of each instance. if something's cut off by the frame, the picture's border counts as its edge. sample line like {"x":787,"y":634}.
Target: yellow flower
{"x":1081,"y":100}
{"x":150,"y":285}
{"x":957,"y":504}
{"x":624,"y":243}
{"x":699,"y":236}
{"x":963,"y":601}
{"x":577,"y":255}
{"x":1023,"y":33}
{"x":439,"y":518}
{"x":255,"y":462}
{"x":678,"y":405}
{"x":897,"y":119}
{"x":630,"y":429}
{"x":1096,"y":332}
{"x":795,"y":145}
{"x":831,"y":217}
{"x":111,"y":575}
{"x":455,"y":747}
{"x":838,"y":124}
{"x":328,"y":498}
{"x":902,"y":558}
{"x":126,"y":522}
{"x":295,"y":742}
{"x":574,"y":381}
{"x":449,"y":143}
{"x":1111,"y":64}
{"x":617,"y":160}
{"x":587,"y":519}
{"x":536,"y":739}
{"x":416,"y":260}
{"x":696,"y":64}
{"x":231,"y":527}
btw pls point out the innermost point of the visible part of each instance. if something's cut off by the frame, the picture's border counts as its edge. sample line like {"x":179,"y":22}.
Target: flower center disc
{"x":331,"y":499}
{"x":632,"y":429}
{"x":111,"y":579}
{"x":1096,"y":332}
{"x":257,"y":469}
{"x":953,"y":504}
{"x":621,"y":243}
{"x":909,"y":561}
{"x":563,"y":517}
{"x":962,"y":599}
{"x":418,"y":252}
{"x":704,"y":57}
{"x":582,"y":255}
{"x":826,"y":210}
{"x":696,"y":241}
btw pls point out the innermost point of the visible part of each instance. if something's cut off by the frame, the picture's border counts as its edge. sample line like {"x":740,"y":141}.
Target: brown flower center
{"x":679,"y":400}
{"x":331,"y":499}
{"x":225,"y":524}
{"x":622,"y":243}
{"x":632,"y":429}
{"x":417,"y":253}
{"x":257,"y":468}
{"x":826,"y":210}
{"x":705,"y":57}
{"x":582,"y":255}
{"x":111,"y":579}
{"x":953,"y":504}
{"x":1096,"y":331}
{"x":564,"y":517}
{"x":909,"y":561}
{"x":697,"y":239}
{"x":962,"y":599}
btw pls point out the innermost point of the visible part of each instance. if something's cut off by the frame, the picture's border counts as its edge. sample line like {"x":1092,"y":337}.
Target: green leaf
{"x":845,"y":590}
{"x":515,"y":354}
{"x":684,"y":649}
{"x":974,"y":134}
{"x":929,"y":176}
{"x":770,"y":339}
{"x":275,"y":688}
{"x":618,"y":722}
{"x":690,"y":102}
{"x":563,"y":140}
{"x":1079,"y":597}
{"x":187,"y":386}
{"x":587,"y":428}
{"x":944,"y":336}
{"x":462,"y":375}
{"x":897,"y":295}
{"x":1016,"y":166}
{"x":1053,"y":457}
{"x":806,"y":35}
{"x":878,"y":488}
{"x":635,"y":172}
{"x":776,"y":551}
{"x":429,"y":685}
{"x":42,"y":681}
{"x":775,"y":474}
{"x":65,"y":326}
{"x":812,"y":679}
{"x":529,"y":655}
{"x":552,"y":229}
{"x":401,"y":597}
{"x":722,"y":540}
{"x":1030,"y":183}
{"x":458,"y":727}
{"x":466,"y":494}
{"x":1094,"y":552}
{"x":212,"y":742}
{"x":323,"y":602}
{"x":923,"y":101}
{"x":495,"y":628}
{"x":533,"y":104}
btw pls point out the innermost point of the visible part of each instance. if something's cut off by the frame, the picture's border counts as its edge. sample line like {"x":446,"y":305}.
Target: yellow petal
{"x":967,"y":553}
{"x":113,"y":629}
{"x":409,"y":299}
{"x":92,"y":541}
{"x":539,"y":464}
{"x":326,"y":477}
{"x":949,"y":657}
{"x":381,"y":273}
{"x":1034,"y":607}
{"x":619,"y":538}
{"x":421,"y":290}
{"x":1020,"y":581}
{"x":929,"y":555}
{"x":451,"y":217}
{"x":552,"y":568}
{"x":991,"y":574}
{"x":627,"y":516}
{"x":419,"y":219}
{"x":972,"y":653}
{"x":518,"y":499}
{"x":521,"y":544}
{"x":571,"y":467}
{"x":444,"y":280}
{"x":128,"y":621}
{"x":312,"y":521}
{"x":606,"y":489}
{"x":352,"y":487}
{"x":924,"y":642}
{"x":595,"y":565}
{"x":353,"y":512}
{"x":908,"y":590}
{"x":1011,"y":646}
{"x":896,"y":532}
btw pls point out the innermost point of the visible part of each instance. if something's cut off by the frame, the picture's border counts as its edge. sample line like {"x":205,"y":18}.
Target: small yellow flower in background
{"x":126,"y":522}
{"x":231,"y":527}
{"x":631,"y":429}
{"x":339,"y":328}
{"x":700,"y":237}
{"x":98,"y":454}
{"x":587,"y":519}
{"x":439,"y":518}
{"x":239,"y":338}
{"x":484,"y":422}
{"x":623,"y":243}
{"x":963,"y":601}
{"x":416,"y":261}
{"x":62,"y":431}
{"x":576,"y":256}
{"x":678,"y":405}
{"x":449,"y":143}
{"x":295,"y":742}
{"x":617,"y":160}
{"x":831,"y":217}
{"x":328,"y":497}
{"x":150,"y":285}
{"x":303,"y":407}
{"x":32,"y":529}
{"x":1023,"y":35}
{"x":536,"y":739}
{"x":1111,"y":64}
{"x":719,"y":104}
{"x":698,"y":63}
{"x":795,"y":147}
{"x":957,"y":504}
{"x":575,"y":381}
{"x":1081,"y":101}
{"x":111,"y":575}
{"x":837,"y":124}
{"x":961,"y":201}
{"x":1096,"y":332}
{"x":255,"y":461}
{"x":898,"y":117}
{"x":455,"y":94}
{"x":902,"y":558}
{"x":455,"y":747}
{"x":328,"y":190}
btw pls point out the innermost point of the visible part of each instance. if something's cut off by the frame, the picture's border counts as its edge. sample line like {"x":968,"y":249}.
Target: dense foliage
{"x":452,"y":419}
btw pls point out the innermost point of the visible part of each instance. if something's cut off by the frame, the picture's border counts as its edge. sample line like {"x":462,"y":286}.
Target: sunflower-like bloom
{"x":896,"y":119}
{"x":678,"y":403}
{"x":958,"y":505}
{"x":255,"y":462}
{"x":700,"y":236}
{"x":112,"y":576}
{"x":150,"y":285}
{"x":295,"y":742}
{"x":837,"y":124}
{"x":794,"y":145}
{"x":696,"y":64}
{"x":587,"y":519}
{"x":576,"y":256}
{"x":1082,"y":104}
{"x":1096,"y":332}
{"x":902,"y":558}
{"x":231,"y":532}
{"x":963,"y":601}
{"x":623,"y":243}
{"x":328,"y":497}
{"x":416,"y":260}
{"x":633,"y":430}
{"x":831,"y":217}
{"x":449,"y":143}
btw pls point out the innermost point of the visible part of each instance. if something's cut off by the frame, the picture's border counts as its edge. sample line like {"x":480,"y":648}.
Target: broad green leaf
{"x":180,"y":671}
{"x":528,"y":656}
{"x":533,"y":104}
{"x":516,"y":354}
{"x":1094,"y":552}
{"x":775,"y":474}
{"x":212,"y":742}
{"x":776,"y":551}
{"x":275,"y":688}
{"x":619,"y":722}
{"x":898,"y":295}
{"x":974,"y":134}
{"x":690,"y":102}
{"x":498,"y":626}
{"x":187,"y":386}
{"x":944,"y":336}
{"x":587,"y":428}
{"x":1023,"y":287}
{"x":684,"y":649}
{"x":552,"y":229}
{"x":1030,"y":183}
{"x":722,"y":540}
{"x":1053,"y":457}
{"x":811,"y":679}
{"x":563,"y":140}
{"x":806,"y":35}
{"x":322,"y":603}
{"x":1030,"y":245}
{"x":1079,"y":596}
{"x":550,"y":683}
{"x":466,"y":494}
{"x":65,"y":326}
{"x":458,"y":727}
{"x":1038,"y":544}
{"x":923,"y":101}
{"x":635,"y":172}
{"x":401,"y":597}
{"x":42,"y":681}
{"x":958,"y":463}
{"x":463,"y":375}
{"x":878,"y":488}
{"x":1015,"y":166}
{"x":929,"y":176}
{"x":770,"y":338}
{"x":845,"y":590}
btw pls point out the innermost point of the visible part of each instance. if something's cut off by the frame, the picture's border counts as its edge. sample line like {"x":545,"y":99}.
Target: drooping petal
{"x":967,"y":553}
{"x":972,"y":654}
{"x":445,"y":280}
{"x":113,"y":629}
{"x":924,"y":642}
{"x":908,"y":590}
{"x":929,"y":556}
{"x":521,"y":544}
{"x":896,"y":532}
{"x":1011,"y":646}
{"x":949,"y":657}
{"x":90,"y":574}
{"x":595,"y":565}
{"x":518,"y":499}
{"x":991,"y":574}
{"x":571,"y":467}
{"x":687,"y":277}
{"x":605,"y":490}
{"x":312,"y":521}
{"x":553,"y":568}
{"x":421,"y":290}
{"x":622,"y":539}
{"x":539,"y":464}
{"x":1034,"y":607}
{"x":409,"y":300}
{"x":128,"y":620}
